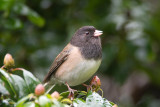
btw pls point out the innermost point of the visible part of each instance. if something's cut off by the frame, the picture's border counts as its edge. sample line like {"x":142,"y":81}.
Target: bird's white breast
{"x":82,"y":72}
{"x":78,"y":70}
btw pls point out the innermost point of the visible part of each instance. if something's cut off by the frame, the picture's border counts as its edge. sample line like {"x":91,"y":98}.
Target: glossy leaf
{"x":6,"y":103}
{"x":64,"y":94}
{"x":21,"y":85}
{"x":89,"y":93}
{"x":112,"y":103}
{"x":5,"y":77}
{"x":30,"y":104}
{"x":30,"y":80}
{"x":44,"y":101}
{"x":36,"y":19}
{"x":78,"y":102}
{"x":96,"y":100}
{"x":21,"y":9}
{"x":12,"y":23}
{"x":22,"y":101}
{"x":3,"y":90}
{"x":58,"y":104}
{"x":93,"y":100}
{"x":5,"y":4}
{"x":66,"y":101}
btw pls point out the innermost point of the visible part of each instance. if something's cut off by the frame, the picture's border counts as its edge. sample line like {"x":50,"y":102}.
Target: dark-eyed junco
{"x":79,"y":60}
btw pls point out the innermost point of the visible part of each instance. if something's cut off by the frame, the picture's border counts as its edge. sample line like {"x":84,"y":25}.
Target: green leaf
{"x":66,"y":101}
{"x":78,"y":102}
{"x":79,"y":99}
{"x":89,"y":93}
{"x":44,"y":101}
{"x":23,"y":100}
{"x":7,"y":103}
{"x":96,"y":100}
{"x":93,"y":100}
{"x":21,"y":85}
{"x":64,"y":94}
{"x":57,"y":103}
{"x":36,"y":19}
{"x":48,"y":96}
{"x":30,"y":80}
{"x":81,"y":94}
{"x":111,"y":103}
{"x":3,"y":90}
{"x":5,"y":4}
{"x":12,"y":23}
{"x":5,"y":77}
{"x":21,"y":9}
{"x":29,"y":104}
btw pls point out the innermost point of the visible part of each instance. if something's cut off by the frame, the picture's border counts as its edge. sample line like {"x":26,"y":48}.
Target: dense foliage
{"x":20,"y":88}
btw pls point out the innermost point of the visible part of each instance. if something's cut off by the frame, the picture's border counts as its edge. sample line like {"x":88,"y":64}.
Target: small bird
{"x":79,"y":60}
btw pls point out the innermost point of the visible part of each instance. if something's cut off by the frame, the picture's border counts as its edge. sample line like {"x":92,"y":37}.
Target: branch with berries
{"x":19,"y":88}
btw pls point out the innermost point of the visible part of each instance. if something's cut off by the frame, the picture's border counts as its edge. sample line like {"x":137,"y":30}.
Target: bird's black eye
{"x":87,"y":33}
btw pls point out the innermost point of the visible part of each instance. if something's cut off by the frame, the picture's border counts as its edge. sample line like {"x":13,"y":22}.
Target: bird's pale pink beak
{"x":98,"y":33}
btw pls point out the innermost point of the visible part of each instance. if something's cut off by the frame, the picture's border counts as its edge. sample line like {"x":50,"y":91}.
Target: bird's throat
{"x":91,"y":51}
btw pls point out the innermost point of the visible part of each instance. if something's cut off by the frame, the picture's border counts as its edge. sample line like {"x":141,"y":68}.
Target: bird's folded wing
{"x":57,"y":62}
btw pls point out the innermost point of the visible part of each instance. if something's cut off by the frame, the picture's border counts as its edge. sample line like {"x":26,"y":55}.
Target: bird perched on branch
{"x":79,"y":60}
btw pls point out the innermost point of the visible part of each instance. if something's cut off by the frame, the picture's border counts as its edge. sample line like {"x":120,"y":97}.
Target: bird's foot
{"x":71,"y":92}
{"x":94,"y":84}
{"x":89,"y":87}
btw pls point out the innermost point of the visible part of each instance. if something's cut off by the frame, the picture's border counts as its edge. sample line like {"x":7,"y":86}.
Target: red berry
{"x":55,"y":94}
{"x":39,"y":90}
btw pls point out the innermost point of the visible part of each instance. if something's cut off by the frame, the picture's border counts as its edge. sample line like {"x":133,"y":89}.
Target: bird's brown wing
{"x":58,"y":61}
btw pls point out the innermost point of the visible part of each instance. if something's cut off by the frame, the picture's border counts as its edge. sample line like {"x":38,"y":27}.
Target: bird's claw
{"x":71,"y":92}
{"x":89,"y":87}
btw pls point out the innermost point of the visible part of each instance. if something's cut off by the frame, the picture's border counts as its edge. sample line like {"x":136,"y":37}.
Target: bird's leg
{"x":89,"y":87}
{"x":71,"y":92}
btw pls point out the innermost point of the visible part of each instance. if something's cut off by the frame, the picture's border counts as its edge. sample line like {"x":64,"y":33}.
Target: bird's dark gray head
{"x":88,"y":40}
{"x":86,"y":31}
{"x":85,"y":34}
